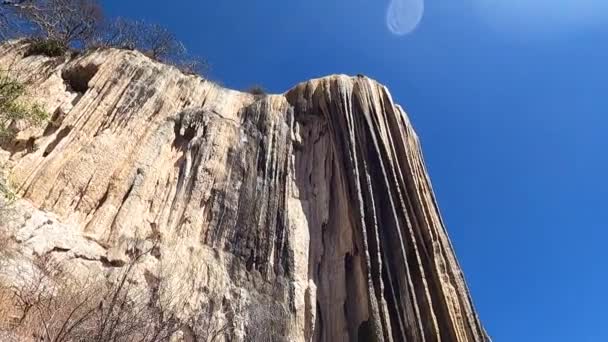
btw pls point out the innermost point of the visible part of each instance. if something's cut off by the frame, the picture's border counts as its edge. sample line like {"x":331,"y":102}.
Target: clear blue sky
{"x":511,"y":103}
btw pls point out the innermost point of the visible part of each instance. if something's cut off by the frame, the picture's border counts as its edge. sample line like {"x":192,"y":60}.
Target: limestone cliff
{"x":317,"y":199}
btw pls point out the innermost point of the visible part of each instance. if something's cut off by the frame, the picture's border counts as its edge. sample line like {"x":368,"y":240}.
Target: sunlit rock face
{"x":316,"y":199}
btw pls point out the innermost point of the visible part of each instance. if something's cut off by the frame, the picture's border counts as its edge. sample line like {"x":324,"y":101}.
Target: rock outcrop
{"x":316,"y":199}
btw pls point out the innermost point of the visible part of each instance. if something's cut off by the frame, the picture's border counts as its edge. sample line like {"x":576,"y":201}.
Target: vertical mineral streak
{"x":415,"y":288}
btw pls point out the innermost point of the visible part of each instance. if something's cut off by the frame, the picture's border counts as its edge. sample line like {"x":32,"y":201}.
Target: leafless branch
{"x":69,"y":22}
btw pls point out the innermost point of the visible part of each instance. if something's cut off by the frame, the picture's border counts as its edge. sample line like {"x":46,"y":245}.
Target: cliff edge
{"x":316,"y":199}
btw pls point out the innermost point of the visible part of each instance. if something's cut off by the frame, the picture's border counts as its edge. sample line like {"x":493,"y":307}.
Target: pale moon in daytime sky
{"x":403,"y":16}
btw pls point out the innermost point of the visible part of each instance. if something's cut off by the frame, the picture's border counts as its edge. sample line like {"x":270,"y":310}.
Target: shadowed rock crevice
{"x":77,"y":78}
{"x":58,"y":138}
{"x":54,"y":123}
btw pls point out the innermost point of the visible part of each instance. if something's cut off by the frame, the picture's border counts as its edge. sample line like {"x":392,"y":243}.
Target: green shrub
{"x":46,"y":47}
{"x":13,"y":108}
{"x":256,"y":90}
{"x":8,"y":195}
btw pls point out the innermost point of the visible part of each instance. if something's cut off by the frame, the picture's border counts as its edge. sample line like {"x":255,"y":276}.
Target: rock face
{"x":316,"y":199}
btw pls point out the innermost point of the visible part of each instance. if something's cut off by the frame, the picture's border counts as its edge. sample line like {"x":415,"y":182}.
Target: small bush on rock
{"x":256,"y":90}
{"x":46,"y":47}
{"x":13,"y":108}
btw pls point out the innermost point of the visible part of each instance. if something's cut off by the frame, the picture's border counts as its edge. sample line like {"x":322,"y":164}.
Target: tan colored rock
{"x":317,"y":198}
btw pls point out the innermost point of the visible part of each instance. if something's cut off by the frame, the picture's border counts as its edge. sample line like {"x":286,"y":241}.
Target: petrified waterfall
{"x":317,"y":199}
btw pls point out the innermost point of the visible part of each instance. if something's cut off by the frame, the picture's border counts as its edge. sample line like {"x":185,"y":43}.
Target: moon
{"x":403,"y":16}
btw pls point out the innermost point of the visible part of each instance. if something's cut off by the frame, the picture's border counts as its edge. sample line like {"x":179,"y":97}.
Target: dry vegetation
{"x":44,"y":304}
{"x":56,"y":26}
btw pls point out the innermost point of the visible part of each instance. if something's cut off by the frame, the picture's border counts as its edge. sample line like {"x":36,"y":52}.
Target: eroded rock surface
{"x":317,"y":199}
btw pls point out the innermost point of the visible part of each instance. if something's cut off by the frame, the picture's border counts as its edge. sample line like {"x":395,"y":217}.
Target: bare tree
{"x":9,"y":26}
{"x":68,"y":22}
{"x":58,"y":25}
{"x":53,"y":308}
{"x":117,"y":33}
{"x":155,"y":41}
{"x":158,"y":42}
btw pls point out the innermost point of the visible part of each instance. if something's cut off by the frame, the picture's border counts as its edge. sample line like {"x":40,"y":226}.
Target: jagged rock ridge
{"x":317,"y":198}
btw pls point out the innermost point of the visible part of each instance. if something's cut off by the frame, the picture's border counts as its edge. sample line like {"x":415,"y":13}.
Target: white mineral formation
{"x":316,"y":199}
